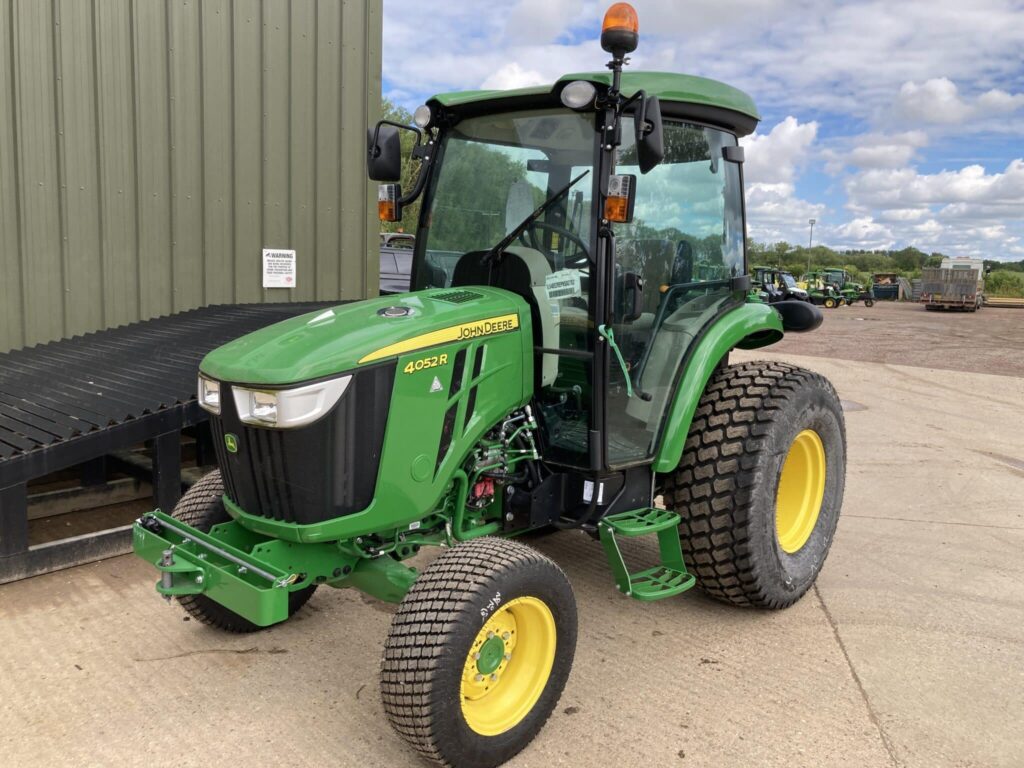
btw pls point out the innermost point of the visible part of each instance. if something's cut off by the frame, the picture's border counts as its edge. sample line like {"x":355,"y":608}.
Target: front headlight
{"x":263,"y":407}
{"x":287,"y":408}
{"x":209,"y":394}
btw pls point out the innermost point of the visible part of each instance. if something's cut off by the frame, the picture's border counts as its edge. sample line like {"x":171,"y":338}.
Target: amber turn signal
{"x":388,"y":206}
{"x":616,"y":209}
{"x":618,"y":203}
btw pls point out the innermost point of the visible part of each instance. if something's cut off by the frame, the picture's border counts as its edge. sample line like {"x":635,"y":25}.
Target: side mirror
{"x":384,"y":153}
{"x":632,"y":297}
{"x":650,"y":139}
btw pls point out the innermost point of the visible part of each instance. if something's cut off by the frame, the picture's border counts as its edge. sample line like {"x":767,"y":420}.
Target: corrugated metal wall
{"x":150,"y":149}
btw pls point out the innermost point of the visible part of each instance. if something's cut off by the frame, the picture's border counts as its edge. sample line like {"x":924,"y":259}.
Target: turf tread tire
{"x":727,"y":469}
{"x":202,"y":508}
{"x":423,"y":652}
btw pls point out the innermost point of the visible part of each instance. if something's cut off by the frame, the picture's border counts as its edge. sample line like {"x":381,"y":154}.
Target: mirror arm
{"x":423,"y":153}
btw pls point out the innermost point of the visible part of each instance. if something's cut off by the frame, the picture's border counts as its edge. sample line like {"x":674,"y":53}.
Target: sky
{"x":895,"y":123}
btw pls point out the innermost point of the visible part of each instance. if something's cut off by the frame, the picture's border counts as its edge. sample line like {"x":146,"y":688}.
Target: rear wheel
{"x":202,"y":508}
{"x":869,"y":302}
{"x":829,"y":302}
{"x":479,"y":652}
{"x":760,"y":484}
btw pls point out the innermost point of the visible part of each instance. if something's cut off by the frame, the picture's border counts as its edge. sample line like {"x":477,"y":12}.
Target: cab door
{"x":685,"y":244}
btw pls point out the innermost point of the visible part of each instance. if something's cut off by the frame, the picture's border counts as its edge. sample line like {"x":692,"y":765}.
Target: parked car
{"x":395,"y":261}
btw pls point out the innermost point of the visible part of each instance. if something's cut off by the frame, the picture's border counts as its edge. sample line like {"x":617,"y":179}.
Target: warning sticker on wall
{"x":278,"y":268}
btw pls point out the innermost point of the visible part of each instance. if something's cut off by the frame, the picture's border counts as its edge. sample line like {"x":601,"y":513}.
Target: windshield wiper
{"x":518,"y":230}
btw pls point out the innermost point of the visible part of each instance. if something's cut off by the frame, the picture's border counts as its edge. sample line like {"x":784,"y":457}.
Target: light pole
{"x":810,"y":241}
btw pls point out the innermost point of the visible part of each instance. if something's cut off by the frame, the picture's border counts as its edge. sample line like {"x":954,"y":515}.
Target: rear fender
{"x":749,"y":326}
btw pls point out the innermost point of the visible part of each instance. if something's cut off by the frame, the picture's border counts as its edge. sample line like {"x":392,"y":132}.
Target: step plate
{"x":660,"y":582}
{"x":640,"y":522}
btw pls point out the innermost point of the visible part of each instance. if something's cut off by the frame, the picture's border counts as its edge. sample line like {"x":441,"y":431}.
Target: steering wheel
{"x":536,"y":241}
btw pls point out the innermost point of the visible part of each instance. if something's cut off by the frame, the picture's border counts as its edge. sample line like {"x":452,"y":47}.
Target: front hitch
{"x":251,"y":574}
{"x":192,"y":562}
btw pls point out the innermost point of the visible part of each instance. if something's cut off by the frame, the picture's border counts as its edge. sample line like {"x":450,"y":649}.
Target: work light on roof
{"x":422,"y":116}
{"x":578,"y":94}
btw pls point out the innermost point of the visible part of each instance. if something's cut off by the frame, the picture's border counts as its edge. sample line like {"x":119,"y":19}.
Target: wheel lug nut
{"x":508,"y":657}
{"x":479,"y":678}
{"x":476,"y":655}
{"x":505,"y":635}
{"x":494,"y":677}
{"x":490,"y":635}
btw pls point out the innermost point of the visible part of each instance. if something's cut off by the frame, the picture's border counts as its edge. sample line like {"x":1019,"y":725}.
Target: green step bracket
{"x":666,"y":580}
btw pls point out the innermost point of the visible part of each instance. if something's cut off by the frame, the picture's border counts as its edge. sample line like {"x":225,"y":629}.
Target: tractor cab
{"x":613,"y":205}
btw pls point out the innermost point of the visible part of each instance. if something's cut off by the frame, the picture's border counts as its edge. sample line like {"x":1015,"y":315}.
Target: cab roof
{"x":667,"y":86}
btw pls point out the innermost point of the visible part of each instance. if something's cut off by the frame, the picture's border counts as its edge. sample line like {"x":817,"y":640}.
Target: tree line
{"x":1005,"y":279}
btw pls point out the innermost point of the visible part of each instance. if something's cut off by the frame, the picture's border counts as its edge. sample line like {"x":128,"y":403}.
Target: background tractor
{"x":777,"y":285}
{"x":579,"y":279}
{"x":821,"y":291}
{"x":848,"y":288}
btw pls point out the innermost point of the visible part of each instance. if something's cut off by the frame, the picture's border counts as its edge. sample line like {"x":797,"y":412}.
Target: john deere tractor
{"x":848,"y":288}
{"x":777,"y":285}
{"x":562,"y":362}
{"x":821,"y":290}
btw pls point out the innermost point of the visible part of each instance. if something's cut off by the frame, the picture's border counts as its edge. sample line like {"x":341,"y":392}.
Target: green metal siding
{"x":150,"y":149}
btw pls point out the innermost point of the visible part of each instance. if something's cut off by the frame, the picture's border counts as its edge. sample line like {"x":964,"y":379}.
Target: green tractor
{"x":777,"y":285}
{"x":561,"y":363}
{"x":848,"y":288}
{"x":821,"y":290}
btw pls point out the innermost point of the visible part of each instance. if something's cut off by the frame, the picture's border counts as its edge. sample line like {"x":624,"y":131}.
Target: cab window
{"x":685,"y":243}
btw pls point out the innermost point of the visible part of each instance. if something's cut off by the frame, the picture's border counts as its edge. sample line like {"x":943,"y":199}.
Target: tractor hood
{"x":344,"y":337}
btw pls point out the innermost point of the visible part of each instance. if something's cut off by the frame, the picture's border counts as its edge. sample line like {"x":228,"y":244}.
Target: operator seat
{"x":522,"y":271}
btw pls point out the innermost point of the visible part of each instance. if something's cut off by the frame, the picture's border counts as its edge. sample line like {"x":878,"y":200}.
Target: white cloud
{"x":862,"y":232}
{"x":514,"y":76}
{"x":776,"y":156}
{"x":938,"y":101}
{"x":876,"y":150}
{"x":906,"y":188}
{"x":966,"y":212}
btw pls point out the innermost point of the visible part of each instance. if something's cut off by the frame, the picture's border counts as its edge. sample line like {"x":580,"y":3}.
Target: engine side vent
{"x":457,"y":370}
{"x":446,"y":435}
{"x":478,"y":365}
{"x":458,"y":297}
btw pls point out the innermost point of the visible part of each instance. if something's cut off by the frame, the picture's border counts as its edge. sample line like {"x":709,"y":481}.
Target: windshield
{"x":495,"y":170}
{"x":788,"y":280}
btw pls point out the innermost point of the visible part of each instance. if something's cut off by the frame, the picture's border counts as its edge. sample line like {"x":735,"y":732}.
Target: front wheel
{"x":479,"y":652}
{"x":830,"y":303}
{"x":869,"y":302}
{"x":760,"y":483}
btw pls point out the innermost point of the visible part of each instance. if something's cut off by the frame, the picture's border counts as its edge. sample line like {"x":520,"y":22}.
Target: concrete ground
{"x":909,"y":651}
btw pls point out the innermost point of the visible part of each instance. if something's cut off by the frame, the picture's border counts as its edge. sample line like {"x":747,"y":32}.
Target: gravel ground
{"x":989,"y":341}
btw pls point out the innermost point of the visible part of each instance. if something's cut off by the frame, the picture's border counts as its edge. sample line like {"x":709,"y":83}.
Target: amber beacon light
{"x":620,"y":31}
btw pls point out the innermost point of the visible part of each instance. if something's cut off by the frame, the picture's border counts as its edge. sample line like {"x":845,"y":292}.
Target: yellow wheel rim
{"x":801,"y":490}
{"x":508,"y":666}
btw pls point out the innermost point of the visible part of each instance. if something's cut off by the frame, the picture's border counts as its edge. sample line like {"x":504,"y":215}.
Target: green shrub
{"x":1005,"y":283}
